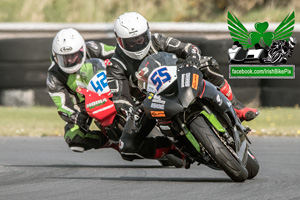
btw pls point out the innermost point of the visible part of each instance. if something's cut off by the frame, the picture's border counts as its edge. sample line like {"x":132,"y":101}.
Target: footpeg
{"x":247,"y":130}
{"x":187,"y":163}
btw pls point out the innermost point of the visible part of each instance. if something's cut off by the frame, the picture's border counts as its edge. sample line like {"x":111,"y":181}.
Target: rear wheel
{"x":217,"y":150}
{"x":252,"y":165}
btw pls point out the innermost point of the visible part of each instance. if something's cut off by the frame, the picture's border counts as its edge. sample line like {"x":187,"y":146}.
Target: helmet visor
{"x":137,"y":43}
{"x":70,"y":60}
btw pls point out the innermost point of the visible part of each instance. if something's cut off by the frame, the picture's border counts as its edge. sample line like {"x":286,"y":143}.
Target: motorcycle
{"x":280,"y":51}
{"x":101,"y":109}
{"x":196,"y":117}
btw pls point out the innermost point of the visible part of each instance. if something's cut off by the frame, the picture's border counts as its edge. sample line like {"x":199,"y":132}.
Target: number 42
{"x":101,"y":83}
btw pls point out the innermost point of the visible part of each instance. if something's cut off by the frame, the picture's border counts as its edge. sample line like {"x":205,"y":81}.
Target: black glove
{"x":125,"y":109}
{"x":192,"y":61}
{"x":80,"y":119}
{"x":193,"y":56}
{"x":133,"y":111}
{"x":136,"y":112}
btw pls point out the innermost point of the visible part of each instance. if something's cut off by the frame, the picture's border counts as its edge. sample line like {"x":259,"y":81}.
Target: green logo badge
{"x":248,"y":39}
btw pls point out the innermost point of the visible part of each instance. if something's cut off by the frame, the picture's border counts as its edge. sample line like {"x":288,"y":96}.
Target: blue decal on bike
{"x":159,"y":77}
{"x":101,"y":83}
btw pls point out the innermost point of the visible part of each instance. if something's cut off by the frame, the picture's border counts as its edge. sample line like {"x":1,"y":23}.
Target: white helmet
{"x":69,"y":50}
{"x":133,"y":35}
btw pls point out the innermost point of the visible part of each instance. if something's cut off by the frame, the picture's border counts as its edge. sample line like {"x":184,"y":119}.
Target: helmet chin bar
{"x":71,"y":70}
{"x":137,"y":55}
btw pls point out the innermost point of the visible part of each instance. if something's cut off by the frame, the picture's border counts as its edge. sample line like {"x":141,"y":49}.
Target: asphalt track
{"x":45,"y":168}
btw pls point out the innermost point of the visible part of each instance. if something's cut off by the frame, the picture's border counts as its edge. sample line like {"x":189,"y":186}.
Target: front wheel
{"x":217,"y":150}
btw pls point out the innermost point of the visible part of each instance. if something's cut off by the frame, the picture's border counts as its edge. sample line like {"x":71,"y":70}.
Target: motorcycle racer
{"x":71,"y":68}
{"x":134,"y":43}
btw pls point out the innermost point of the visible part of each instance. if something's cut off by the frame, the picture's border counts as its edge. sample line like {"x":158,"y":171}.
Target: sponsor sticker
{"x":157,"y":99}
{"x":96,"y":103}
{"x":158,"y":114}
{"x":195,"y":81}
{"x":150,"y":96}
{"x":157,"y":106}
{"x":185,"y":80}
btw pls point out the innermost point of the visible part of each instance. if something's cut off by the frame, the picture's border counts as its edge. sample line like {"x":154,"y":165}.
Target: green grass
{"x":30,"y":121}
{"x":277,"y":122}
{"x":44,"y":121}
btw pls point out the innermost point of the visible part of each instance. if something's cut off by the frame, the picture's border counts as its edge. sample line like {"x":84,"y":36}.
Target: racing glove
{"x":192,"y":61}
{"x":79,"y":118}
{"x":134,"y":112}
{"x":193,"y":57}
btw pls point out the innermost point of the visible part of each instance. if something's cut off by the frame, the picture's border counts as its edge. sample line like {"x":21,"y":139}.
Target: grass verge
{"x":44,"y":121}
{"x":276,"y":121}
{"x":30,"y":121}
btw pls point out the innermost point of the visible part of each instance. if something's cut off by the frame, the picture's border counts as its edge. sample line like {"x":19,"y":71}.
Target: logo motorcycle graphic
{"x":261,"y":46}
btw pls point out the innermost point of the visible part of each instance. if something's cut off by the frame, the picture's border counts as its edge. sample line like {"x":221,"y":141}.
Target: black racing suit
{"x":124,"y":85}
{"x":70,"y":104}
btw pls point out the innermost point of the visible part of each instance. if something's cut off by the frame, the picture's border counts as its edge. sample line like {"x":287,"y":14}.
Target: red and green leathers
{"x":62,"y":90}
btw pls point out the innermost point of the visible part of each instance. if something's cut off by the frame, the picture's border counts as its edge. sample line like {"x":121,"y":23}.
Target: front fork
{"x":226,"y":113}
{"x":219,"y":112}
{"x":187,"y":133}
{"x":193,"y":150}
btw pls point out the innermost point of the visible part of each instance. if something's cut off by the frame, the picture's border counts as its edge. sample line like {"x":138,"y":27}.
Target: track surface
{"x":45,"y":168}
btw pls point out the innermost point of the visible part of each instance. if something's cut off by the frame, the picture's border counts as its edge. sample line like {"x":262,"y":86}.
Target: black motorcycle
{"x":197,"y":118}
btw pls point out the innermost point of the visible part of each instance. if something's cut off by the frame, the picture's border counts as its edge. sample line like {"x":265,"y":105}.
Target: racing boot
{"x":177,"y":158}
{"x":243,"y":112}
{"x":180,"y":158}
{"x":167,"y":154}
{"x":112,"y":145}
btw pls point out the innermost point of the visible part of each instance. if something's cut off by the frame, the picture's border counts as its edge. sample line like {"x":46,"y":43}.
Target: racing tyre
{"x":218,"y":151}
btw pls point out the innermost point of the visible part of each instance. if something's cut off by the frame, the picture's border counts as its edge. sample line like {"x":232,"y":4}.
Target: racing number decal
{"x":159,"y":77}
{"x":101,"y":83}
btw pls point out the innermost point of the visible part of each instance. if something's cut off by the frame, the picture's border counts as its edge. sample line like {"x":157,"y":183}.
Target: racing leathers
{"x":70,"y":104}
{"x":99,"y":50}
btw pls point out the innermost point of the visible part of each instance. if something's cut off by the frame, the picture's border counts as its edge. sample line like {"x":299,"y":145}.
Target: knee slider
{"x":127,"y":147}
{"x":76,"y":143}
